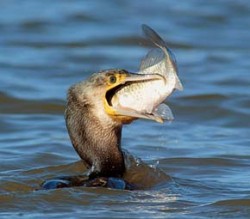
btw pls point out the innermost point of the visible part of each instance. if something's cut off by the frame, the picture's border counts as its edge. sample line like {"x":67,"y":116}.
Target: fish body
{"x":147,"y":96}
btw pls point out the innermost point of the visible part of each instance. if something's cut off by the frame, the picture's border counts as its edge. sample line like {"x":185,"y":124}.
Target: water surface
{"x":195,"y":167}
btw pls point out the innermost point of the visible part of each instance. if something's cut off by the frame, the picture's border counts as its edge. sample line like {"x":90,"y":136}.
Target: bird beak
{"x":133,"y":77}
{"x":126,"y":115}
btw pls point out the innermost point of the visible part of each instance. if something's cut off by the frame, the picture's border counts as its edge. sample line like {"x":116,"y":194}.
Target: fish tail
{"x":153,"y":36}
{"x":159,"y":42}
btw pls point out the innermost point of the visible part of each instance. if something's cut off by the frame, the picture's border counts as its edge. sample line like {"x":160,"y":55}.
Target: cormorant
{"x":99,"y":106}
{"x":95,"y":128}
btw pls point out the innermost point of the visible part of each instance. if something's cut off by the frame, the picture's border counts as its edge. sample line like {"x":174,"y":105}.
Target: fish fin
{"x":153,"y":57}
{"x":178,"y":84}
{"x":164,"y":112}
{"x":159,"y":42}
{"x":153,"y":36}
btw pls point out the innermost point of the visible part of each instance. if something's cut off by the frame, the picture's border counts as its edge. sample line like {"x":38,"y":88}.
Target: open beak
{"x":126,"y":115}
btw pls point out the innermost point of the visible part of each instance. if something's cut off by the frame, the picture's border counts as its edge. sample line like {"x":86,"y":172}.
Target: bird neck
{"x":106,"y":157}
{"x":97,"y":142}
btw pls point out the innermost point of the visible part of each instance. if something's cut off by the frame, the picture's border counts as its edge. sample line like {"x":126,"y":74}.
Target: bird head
{"x":102,"y":87}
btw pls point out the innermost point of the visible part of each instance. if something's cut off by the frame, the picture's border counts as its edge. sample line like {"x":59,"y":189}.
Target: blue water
{"x":195,"y":167}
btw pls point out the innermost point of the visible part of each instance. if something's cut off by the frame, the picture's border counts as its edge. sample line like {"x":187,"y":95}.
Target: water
{"x":195,"y":167}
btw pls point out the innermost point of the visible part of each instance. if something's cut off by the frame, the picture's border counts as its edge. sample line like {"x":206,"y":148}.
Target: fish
{"x":147,"y":97}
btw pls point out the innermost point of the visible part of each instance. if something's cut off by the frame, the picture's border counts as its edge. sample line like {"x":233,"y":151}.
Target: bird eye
{"x":112,"y":79}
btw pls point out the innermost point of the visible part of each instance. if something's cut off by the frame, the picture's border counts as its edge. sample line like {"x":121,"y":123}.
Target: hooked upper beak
{"x":134,"y":77}
{"x":126,"y":115}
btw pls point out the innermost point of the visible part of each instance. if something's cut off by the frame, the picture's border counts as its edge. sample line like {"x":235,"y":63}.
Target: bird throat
{"x":108,"y":160}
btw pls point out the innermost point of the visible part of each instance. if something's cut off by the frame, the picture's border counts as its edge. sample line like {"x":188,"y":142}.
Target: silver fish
{"x":147,"y":97}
